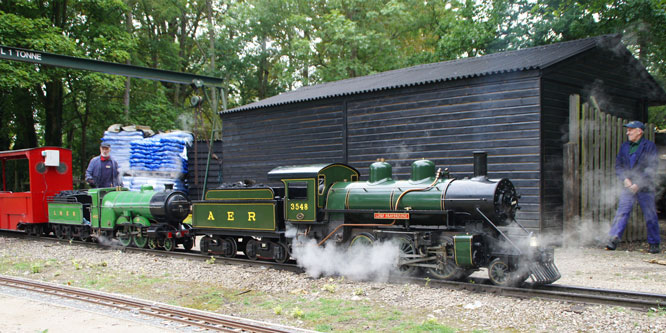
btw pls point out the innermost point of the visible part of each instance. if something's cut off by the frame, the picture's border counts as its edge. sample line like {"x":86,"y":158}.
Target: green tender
{"x":234,"y":215}
{"x":66,"y":213}
{"x":240,"y":194}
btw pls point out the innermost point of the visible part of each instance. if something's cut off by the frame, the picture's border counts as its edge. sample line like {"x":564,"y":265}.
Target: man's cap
{"x":635,"y":124}
{"x":105,"y":145}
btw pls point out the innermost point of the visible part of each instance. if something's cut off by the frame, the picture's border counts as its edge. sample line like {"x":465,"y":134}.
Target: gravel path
{"x":629,"y":270}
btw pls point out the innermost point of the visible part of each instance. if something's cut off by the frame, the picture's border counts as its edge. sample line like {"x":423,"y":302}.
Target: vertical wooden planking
{"x":609,"y":168}
{"x":571,"y":173}
{"x":602,"y":166}
{"x":585,"y":209}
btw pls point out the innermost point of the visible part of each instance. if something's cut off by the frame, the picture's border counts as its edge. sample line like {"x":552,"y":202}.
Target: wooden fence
{"x":591,"y":189}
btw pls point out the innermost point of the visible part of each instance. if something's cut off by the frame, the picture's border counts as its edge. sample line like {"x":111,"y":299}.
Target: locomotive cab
{"x":306,"y":188}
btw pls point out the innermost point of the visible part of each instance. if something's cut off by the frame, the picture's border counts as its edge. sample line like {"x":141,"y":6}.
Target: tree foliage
{"x":264,"y":47}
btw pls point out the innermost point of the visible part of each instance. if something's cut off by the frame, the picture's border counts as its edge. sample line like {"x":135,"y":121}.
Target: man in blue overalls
{"x":103,"y":170}
{"x":636,"y":166}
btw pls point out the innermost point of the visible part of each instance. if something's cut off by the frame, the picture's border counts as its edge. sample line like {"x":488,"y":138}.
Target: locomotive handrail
{"x":497,"y":229}
{"x":439,"y":172}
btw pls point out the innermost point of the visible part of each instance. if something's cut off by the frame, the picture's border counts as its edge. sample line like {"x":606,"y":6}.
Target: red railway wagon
{"x":35,"y":174}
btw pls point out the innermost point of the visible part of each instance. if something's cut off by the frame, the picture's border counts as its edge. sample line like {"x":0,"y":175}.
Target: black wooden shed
{"x":514,"y":105}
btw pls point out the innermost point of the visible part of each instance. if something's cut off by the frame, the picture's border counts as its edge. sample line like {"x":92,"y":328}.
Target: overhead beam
{"x":44,"y":58}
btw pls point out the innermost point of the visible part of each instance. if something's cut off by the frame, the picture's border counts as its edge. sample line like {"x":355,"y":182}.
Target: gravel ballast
{"x":466,"y":311}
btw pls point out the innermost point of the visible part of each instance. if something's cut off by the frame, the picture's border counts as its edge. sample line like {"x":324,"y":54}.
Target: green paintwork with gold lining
{"x":66,"y":213}
{"x":462,"y":245}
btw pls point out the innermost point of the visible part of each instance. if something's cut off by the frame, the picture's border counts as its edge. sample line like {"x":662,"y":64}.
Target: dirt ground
{"x":18,"y":315}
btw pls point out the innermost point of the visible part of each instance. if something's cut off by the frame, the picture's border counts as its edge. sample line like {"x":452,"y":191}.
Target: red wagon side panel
{"x":45,"y":181}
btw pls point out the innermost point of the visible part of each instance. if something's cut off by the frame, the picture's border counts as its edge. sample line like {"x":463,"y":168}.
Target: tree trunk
{"x":53,"y":110}
{"x":128,"y":80}
{"x":211,"y":32}
{"x":25,"y":123}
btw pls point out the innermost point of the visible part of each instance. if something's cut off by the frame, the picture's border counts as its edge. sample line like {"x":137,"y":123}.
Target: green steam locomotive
{"x":145,"y":218}
{"x":444,"y":226}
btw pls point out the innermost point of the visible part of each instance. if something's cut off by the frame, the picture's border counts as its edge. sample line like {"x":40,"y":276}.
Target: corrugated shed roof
{"x":526,"y":59}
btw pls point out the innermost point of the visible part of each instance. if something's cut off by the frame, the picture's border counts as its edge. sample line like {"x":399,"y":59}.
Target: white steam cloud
{"x":376,"y":262}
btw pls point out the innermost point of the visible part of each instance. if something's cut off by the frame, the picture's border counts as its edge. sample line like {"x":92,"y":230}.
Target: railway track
{"x":198,"y":319}
{"x":574,"y":294}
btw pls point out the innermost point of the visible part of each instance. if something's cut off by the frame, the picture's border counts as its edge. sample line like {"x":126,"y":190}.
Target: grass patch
{"x":324,"y":308}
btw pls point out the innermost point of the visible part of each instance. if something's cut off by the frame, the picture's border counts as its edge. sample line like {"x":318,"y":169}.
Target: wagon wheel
{"x":284,"y":256}
{"x":139,"y":240}
{"x":251,"y":249}
{"x":446,"y":263}
{"x":501,"y":274}
{"x":407,"y":252}
{"x":168,"y":244}
{"x":153,"y":243}
{"x":231,"y":246}
{"x":188,"y":243}
{"x":123,"y":237}
{"x":57,"y":229}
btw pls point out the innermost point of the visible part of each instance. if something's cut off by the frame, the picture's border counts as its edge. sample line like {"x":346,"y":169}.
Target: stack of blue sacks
{"x":120,"y":146}
{"x":159,"y":160}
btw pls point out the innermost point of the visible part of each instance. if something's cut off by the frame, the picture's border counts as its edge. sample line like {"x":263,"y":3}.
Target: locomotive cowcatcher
{"x":444,"y":226}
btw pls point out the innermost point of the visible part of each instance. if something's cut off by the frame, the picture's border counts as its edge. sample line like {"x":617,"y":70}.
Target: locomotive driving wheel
{"x":123,"y":236}
{"x":447,"y":268}
{"x":363,"y":239}
{"x":139,"y":239}
{"x":407,"y":252}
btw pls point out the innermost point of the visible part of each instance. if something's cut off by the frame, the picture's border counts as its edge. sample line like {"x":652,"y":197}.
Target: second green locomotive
{"x":145,"y":218}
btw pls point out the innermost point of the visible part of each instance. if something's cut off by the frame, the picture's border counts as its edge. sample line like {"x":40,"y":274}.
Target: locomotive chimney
{"x":480,"y":164}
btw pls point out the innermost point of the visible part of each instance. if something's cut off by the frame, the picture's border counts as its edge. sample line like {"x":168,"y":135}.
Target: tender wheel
{"x":447,"y":268}
{"x":363,"y":239}
{"x":231,"y":246}
{"x":204,"y":244}
{"x":57,"y":229}
{"x":153,"y":243}
{"x":500,"y":274}
{"x":168,"y":244}
{"x":85,"y":234}
{"x":188,"y":243}
{"x":407,"y":252}
{"x":67,"y":232}
{"x":251,"y":249}
{"x":124,"y":237}
{"x":281,"y":256}
{"x":139,"y":240}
